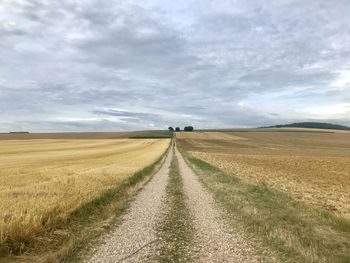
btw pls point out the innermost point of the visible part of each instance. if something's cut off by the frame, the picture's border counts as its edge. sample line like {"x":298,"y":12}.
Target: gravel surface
{"x":135,"y":240}
{"x":214,"y":240}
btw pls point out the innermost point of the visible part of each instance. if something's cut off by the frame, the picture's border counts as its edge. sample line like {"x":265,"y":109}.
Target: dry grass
{"x":43,"y":181}
{"x":313,"y":167}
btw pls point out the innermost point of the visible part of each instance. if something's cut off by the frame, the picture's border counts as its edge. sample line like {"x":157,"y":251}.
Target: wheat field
{"x":45,"y":180}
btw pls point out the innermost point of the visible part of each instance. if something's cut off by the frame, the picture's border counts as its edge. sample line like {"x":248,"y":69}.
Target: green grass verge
{"x":293,"y":230}
{"x":176,"y":231}
{"x":66,"y":237}
{"x":151,"y":135}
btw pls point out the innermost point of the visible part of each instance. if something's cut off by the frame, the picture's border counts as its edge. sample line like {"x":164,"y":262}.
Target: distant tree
{"x":188,"y":128}
{"x":171,"y":128}
{"x":177,"y":129}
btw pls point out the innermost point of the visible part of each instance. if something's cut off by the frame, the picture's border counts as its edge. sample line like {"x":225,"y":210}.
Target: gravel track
{"x":214,"y":240}
{"x":135,"y":240}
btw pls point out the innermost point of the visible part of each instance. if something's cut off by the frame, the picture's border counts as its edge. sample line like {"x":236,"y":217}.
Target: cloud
{"x":92,"y":65}
{"x":127,"y":115}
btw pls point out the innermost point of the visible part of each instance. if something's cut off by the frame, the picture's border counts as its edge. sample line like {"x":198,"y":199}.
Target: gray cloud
{"x":100,"y":65}
{"x":126,"y":114}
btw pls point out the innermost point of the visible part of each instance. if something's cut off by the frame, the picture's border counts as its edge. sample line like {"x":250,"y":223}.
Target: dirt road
{"x":135,"y":240}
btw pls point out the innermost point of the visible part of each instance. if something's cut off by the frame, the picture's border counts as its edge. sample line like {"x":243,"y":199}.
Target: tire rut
{"x":135,"y":239}
{"x":214,"y":240}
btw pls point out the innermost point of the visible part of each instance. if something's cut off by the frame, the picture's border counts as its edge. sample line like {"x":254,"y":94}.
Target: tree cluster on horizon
{"x":187,"y":128}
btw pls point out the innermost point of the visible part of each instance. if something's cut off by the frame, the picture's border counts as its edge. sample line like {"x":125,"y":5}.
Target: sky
{"x":89,"y":65}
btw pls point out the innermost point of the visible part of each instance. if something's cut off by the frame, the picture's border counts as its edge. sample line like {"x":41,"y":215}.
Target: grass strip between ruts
{"x":176,"y":231}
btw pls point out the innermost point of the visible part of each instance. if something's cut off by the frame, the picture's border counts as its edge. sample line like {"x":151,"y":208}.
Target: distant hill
{"x":314,"y":125}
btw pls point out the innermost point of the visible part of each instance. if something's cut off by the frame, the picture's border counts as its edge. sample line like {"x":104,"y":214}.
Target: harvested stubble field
{"x":311,"y":166}
{"x":290,"y":189}
{"x":42,"y":181}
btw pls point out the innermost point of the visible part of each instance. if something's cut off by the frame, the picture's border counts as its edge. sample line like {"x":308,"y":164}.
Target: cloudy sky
{"x":82,"y":65}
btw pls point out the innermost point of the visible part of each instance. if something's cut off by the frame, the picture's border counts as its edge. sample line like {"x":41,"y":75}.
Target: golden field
{"x":42,"y":180}
{"x":310,"y":165}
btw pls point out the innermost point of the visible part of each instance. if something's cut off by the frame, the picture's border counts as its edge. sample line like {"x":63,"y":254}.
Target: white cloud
{"x":343,"y":80}
{"x":330,"y":111}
